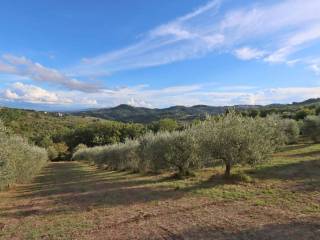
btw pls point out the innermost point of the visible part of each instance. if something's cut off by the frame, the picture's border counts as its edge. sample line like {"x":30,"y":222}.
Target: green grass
{"x":291,"y":179}
{"x":69,"y":200}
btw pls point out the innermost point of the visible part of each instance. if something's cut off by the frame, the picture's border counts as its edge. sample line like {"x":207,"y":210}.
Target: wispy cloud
{"x":274,"y":32}
{"x":247,"y":53}
{"x":23,"y":67}
{"x":186,"y":37}
{"x":279,"y":30}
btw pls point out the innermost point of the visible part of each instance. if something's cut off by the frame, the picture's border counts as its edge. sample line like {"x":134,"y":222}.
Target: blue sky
{"x":60,"y":55}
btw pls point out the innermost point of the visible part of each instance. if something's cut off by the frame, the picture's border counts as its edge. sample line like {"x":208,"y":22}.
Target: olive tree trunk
{"x":228,"y":170}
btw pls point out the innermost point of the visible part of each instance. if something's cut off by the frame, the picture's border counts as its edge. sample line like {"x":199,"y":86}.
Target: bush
{"x":52,"y":153}
{"x":303,"y":113}
{"x":291,"y":130}
{"x":165,"y":150}
{"x":19,"y":160}
{"x":79,"y":146}
{"x":89,"y":155}
{"x":150,"y":153}
{"x":62,"y":151}
{"x":182,"y":153}
{"x":152,"y":150}
{"x":120,"y":156}
{"x":311,"y":128}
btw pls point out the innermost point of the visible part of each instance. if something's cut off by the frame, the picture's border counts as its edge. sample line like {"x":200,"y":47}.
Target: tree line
{"x":231,"y":138}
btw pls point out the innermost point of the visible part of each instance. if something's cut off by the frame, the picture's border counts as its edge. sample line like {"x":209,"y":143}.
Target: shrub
{"x":62,"y":150}
{"x":90,"y":155}
{"x":182,"y":153}
{"x":303,"y":113}
{"x":168,"y":124}
{"x":291,"y":130}
{"x":311,"y":128}
{"x":79,"y":146}
{"x":52,"y":153}
{"x":128,"y":152}
{"x":19,"y":160}
{"x":120,"y":156}
{"x":152,"y":151}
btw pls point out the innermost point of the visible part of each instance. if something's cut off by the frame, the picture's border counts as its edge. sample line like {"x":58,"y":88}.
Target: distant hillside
{"x":34,"y":124}
{"x":126,"y":113}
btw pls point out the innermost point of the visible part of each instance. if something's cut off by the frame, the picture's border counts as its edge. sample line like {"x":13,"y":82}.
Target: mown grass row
{"x":19,"y":160}
{"x":231,"y":139}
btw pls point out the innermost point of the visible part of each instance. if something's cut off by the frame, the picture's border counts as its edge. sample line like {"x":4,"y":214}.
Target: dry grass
{"x":70,"y":200}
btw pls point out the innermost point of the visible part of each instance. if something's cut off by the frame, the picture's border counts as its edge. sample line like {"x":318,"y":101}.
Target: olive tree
{"x":311,"y":128}
{"x":236,"y":139}
{"x":19,"y":160}
{"x":152,"y":151}
{"x":182,"y":153}
{"x":291,"y":130}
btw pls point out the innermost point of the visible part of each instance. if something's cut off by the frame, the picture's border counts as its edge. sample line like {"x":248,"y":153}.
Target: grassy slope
{"x":31,"y":123}
{"x":278,"y":200}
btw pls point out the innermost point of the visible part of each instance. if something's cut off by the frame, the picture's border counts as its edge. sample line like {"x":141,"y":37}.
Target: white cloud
{"x":315,"y":68}
{"x":23,"y":67}
{"x":279,"y":29}
{"x":294,"y":43}
{"x":33,"y":94}
{"x":247,"y":53}
{"x":9,"y":94}
{"x":143,"y":96}
{"x":139,"y":103}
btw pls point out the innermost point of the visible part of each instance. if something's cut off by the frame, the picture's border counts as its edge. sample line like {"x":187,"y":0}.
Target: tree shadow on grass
{"x":304,"y":170}
{"x":71,"y":187}
{"x":295,"y":147}
{"x":306,"y":173}
{"x":315,"y":153}
{"x":298,"y":230}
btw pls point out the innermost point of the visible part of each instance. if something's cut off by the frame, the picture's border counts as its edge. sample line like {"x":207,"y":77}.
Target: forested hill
{"x":126,"y":113}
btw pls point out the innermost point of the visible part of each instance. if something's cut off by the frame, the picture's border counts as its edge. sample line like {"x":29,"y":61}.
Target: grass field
{"x":71,"y":200}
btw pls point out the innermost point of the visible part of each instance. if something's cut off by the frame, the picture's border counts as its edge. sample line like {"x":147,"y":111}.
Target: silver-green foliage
{"x":182,"y":154}
{"x":311,"y":128}
{"x":239,"y":140}
{"x":291,"y":130}
{"x":120,"y":156}
{"x":19,"y":160}
{"x":152,"y":151}
{"x":168,"y":150}
{"x":233,"y":138}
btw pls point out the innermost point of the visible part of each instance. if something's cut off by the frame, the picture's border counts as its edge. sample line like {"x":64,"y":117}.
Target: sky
{"x":79,"y":54}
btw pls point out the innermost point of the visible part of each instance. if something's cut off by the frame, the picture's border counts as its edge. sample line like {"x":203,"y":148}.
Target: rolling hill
{"x":127,"y":113}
